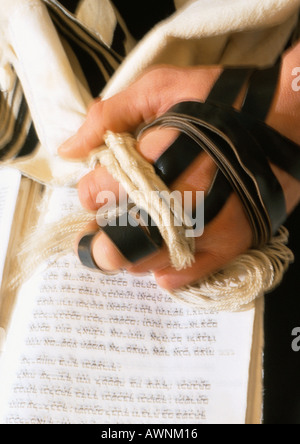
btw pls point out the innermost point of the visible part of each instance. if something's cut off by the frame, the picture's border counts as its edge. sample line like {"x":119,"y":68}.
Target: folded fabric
{"x":53,"y":73}
{"x":54,"y":62}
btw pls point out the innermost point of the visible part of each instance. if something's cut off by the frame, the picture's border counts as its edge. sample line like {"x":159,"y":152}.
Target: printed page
{"x":91,"y":349}
{"x":88,"y":348}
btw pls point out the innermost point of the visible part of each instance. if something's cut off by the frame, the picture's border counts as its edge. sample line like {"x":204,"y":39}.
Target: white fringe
{"x":139,"y":180}
{"x":249,"y":277}
{"x":233,"y":289}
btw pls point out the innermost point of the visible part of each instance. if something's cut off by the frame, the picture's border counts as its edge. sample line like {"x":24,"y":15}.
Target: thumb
{"x":150,"y":96}
{"x":123,"y":112}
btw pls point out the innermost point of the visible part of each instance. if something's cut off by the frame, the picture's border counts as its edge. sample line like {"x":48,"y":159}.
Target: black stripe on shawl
{"x":71,"y":5}
{"x":31,"y":143}
{"x":17,"y":131}
{"x":98,"y":62}
{"x":119,"y":40}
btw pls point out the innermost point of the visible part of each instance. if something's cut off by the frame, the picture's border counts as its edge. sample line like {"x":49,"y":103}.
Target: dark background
{"x":281,"y":363}
{"x":140,"y":16}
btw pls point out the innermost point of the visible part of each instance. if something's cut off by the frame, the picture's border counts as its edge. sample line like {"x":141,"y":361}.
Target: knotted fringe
{"x":44,"y":242}
{"x":232,"y":289}
{"x":140,"y":181}
{"x":249,"y":277}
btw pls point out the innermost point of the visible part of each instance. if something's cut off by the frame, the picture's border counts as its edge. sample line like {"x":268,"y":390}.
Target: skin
{"x":229,"y":235}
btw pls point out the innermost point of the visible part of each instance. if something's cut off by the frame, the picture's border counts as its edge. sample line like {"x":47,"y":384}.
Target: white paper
{"x":87,"y":348}
{"x":90,"y":349}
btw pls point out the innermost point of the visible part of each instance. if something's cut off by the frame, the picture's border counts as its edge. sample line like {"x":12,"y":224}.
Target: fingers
{"x":90,"y":187}
{"x":196,"y":177}
{"x":97,"y":250}
{"x":228,"y":236}
{"x":106,"y":255}
{"x":151,"y":95}
{"x":123,"y":112}
{"x":90,"y":135}
{"x":230,"y":229}
{"x":99,"y":180}
{"x":205,"y":264}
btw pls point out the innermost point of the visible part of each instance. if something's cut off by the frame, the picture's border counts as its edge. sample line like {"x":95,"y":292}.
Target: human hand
{"x":229,"y":234}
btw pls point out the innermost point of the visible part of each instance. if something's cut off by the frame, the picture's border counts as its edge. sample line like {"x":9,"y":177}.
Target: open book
{"x":81,"y":347}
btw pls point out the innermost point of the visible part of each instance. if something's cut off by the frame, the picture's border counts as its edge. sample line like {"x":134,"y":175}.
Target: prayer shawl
{"x":54,"y":61}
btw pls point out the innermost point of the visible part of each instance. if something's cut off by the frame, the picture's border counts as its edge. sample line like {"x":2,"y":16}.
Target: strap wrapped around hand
{"x":239,"y":156}
{"x":232,"y":288}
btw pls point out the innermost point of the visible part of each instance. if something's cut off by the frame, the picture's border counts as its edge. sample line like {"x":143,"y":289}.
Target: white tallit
{"x":203,"y":32}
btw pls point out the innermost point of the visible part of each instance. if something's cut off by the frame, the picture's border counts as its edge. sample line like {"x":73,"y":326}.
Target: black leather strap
{"x":229,"y":85}
{"x":279,"y":150}
{"x":175,"y":160}
{"x":241,"y":145}
{"x":133,"y":240}
{"x":216,"y":199}
{"x":253,"y":144}
{"x":85,"y":253}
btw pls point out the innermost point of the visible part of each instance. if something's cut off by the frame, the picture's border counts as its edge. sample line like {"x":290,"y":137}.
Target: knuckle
{"x":87,"y":193}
